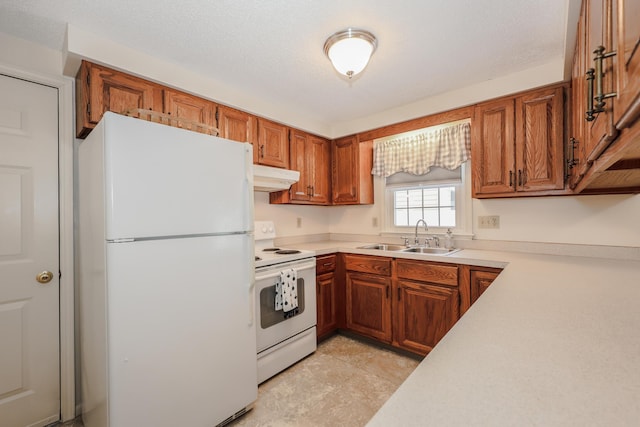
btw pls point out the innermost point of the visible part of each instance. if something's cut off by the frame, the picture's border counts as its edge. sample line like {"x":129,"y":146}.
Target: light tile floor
{"x":343,"y":383}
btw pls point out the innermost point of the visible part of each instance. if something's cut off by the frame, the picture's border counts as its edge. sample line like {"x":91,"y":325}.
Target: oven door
{"x":272,"y":328}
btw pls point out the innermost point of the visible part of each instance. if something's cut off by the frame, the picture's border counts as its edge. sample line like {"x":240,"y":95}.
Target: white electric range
{"x":267,"y":253}
{"x":282,"y":341}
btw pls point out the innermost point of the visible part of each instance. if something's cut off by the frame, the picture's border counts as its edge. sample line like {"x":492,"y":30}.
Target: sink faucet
{"x":416,"y":234}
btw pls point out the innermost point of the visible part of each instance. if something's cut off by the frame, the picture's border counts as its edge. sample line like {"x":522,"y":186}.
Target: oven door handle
{"x":276,"y":272}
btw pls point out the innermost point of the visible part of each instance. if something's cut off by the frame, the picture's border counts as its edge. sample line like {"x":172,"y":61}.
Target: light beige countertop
{"x":554,"y":341}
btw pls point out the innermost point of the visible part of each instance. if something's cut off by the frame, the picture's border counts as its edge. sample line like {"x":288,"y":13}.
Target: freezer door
{"x":182,"y":343}
{"x":166,"y":181}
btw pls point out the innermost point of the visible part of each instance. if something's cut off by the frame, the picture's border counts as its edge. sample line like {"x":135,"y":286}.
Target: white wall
{"x":594,"y":220}
{"x":315,"y":219}
{"x":29,"y":57}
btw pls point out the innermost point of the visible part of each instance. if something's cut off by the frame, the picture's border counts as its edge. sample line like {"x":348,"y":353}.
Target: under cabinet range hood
{"x":267,"y":178}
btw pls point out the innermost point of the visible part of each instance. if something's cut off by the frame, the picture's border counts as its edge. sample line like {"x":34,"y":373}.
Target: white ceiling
{"x":273,"y":49}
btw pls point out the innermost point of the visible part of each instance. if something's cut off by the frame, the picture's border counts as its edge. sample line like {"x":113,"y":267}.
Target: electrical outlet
{"x":299,"y":222}
{"x":489,"y":221}
{"x":374,"y":221}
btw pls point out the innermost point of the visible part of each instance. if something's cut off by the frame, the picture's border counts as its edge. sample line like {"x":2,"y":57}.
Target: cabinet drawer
{"x":368,"y":264}
{"x":427,"y":272}
{"x":325,"y":264}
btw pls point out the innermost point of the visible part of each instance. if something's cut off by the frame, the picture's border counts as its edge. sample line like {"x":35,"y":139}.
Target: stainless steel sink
{"x":432,"y":251}
{"x":383,"y":247}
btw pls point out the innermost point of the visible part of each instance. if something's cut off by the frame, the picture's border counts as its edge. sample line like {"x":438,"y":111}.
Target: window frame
{"x":462,"y":200}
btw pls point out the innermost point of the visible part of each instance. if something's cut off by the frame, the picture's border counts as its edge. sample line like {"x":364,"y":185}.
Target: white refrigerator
{"x":166,"y":273}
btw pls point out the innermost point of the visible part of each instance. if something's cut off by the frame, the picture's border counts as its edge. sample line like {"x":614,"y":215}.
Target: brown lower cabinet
{"x":473,"y":282}
{"x":426,"y":305}
{"x":409,"y":304}
{"x":327,"y":295}
{"x":369,"y":305}
{"x":368,"y":299}
{"x":423,"y":314}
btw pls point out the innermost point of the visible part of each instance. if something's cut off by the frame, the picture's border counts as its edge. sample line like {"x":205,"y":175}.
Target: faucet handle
{"x":436,"y":241}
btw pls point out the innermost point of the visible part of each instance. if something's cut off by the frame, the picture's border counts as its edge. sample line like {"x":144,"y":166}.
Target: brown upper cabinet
{"x":351,"y":179}
{"x":236,"y":125}
{"x":576,"y":154}
{"x":311,"y":156}
{"x":272,"y":148}
{"x":606,"y":125}
{"x":100,"y":89}
{"x":627,"y":63}
{"x":599,"y":35}
{"x":180,"y":105}
{"x":517,"y":147}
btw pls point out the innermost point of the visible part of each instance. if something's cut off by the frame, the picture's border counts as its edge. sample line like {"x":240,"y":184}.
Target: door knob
{"x":44,"y":277}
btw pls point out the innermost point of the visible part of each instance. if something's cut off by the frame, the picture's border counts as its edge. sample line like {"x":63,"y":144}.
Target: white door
{"x":29,"y":310}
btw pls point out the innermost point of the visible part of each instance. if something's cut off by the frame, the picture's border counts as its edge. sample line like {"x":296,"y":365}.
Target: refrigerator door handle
{"x":252,"y":298}
{"x":249,"y":212}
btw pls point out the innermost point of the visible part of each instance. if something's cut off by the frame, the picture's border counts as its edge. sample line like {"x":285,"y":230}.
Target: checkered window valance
{"x":447,"y":147}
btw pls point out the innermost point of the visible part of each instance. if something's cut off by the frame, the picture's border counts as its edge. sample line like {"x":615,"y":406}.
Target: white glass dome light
{"x":349,"y":50}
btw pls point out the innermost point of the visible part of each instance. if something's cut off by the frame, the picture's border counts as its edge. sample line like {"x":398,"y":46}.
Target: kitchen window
{"x":426,"y":176}
{"x":443,"y":200}
{"x":436,"y":205}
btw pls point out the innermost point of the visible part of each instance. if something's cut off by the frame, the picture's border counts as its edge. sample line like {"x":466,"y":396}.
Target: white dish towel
{"x":287,"y":292}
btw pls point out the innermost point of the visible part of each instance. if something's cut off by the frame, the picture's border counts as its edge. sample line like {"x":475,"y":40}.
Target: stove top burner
{"x":271,"y":250}
{"x":287,"y":251}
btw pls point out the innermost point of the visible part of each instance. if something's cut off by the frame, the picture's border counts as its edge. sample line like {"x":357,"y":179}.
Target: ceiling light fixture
{"x":349,"y":50}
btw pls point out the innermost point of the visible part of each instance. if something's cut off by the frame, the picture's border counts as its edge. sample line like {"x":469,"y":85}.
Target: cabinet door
{"x":236,"y":125}
{"x":369,"y":305}
{"x":100,"y":89}
{"x":299,"y":161}
{"x":344,"y":176}
{"x":627,"y":109}
{"x":184,"y":106}
{"x":480,"y":281}
{"x":310,"y":155}
{"x":601,"y":131}
{"x":319,"y":159}
{"x":273,"y":144}
{"x":576,"y":149}
{"x":492,"y":158}
{"x":539,"y":140}
{"x":424,"y":314}
{"x":326,"y":304}
{"x":474,"y":281}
